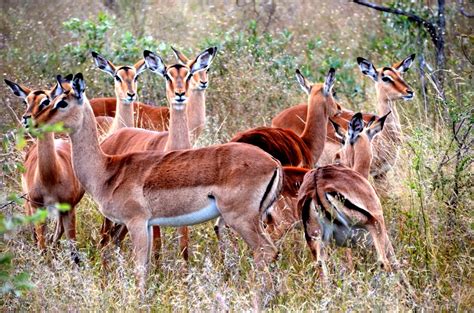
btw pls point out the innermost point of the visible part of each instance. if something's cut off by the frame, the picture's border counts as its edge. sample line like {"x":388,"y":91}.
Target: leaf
{"x":63,"y":207}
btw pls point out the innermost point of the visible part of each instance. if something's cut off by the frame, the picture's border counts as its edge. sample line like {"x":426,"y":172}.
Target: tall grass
{"x":428,"y":208}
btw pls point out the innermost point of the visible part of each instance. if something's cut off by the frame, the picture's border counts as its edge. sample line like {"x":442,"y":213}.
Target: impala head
{"x":321,"y":93}
{"x":178,"y":76}
{"x":68,"y":106}
{"x":200,"y":80}
{"x":357,"y":140}
{"x":34,"y":100}
{"x":125,"y":76}
{"x":388,"y":80}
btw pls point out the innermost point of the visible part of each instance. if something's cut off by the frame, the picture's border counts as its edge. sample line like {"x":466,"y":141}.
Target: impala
{"x":48,"y":178}
{"x":357,"y":152}
{"x":185,"y":187}
{"x":196,"y":107}
{"x":335,"y":202}
{"x":284,"y":144}
{"x":178,"y":84}
{"x":157,"y":118}
{"x":125,"y":89}
{"x":390,"y":86}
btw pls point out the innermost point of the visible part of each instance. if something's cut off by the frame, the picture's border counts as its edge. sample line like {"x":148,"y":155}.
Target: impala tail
{"x":306,"y":195}
{"x":273,"y":190}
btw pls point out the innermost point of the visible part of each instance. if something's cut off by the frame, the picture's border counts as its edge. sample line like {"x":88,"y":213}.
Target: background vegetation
{"x":428,"y":211}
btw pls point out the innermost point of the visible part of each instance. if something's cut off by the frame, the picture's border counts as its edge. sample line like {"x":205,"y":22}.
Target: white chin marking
{"x":197,"y":217}
{"x":179,"y":106}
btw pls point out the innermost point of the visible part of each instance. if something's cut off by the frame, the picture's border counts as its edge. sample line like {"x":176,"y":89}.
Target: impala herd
{"x":137,"y":161}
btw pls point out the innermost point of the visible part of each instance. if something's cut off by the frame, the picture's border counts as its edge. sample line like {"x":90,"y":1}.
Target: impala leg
{"x":157,"y":242}
{"x":250,"y":228}
{"x":69,"y":225}
{"x":141,"y":235}
{"x":118,"y":234}
{"x":183,"y":241}
{"x":29,"y":212}
{"x":350,"y":263}
{"x":105,"y":236}
{"x":391,"y":253}
{"x":378,"y":233}
{"x":219,"y":227}
{"x":58,"y":230}
{"x":40,"y":231}
{"x":313,"y":238}
{"x":104,"y":243}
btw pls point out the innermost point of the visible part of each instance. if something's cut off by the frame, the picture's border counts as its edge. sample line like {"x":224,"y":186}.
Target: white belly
{"x":197,"y":217}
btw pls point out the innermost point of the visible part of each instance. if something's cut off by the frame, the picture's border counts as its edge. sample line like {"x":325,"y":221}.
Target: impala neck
{"x":392,"y":126}
{"x":361,"y":163}
{"x":123,"y":115}
{"x":47,"y":166}
{"x":178,"y":132}
{"x":315,"y":131}
{"x":196,"y":112}
{"x":88,"y":159}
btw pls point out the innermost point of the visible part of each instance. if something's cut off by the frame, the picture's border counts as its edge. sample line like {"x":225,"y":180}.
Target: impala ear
{"x":140,"y":67}
{"x":103,"y":64}
{"x":329,"y":82}
{"x":304,"y":83}
{"x":377,"y":126}
{"x":203,"y":60}
{"x":18,"y":90}
{"x":356,"y":126}
{"x":181,"y":57}
{"x":154,"y":63}
{"x":79,"y":86}
{"x":58,"y":88}
{"x":372,"y":119}
{"x":337,"y":158}
{"x":339,"y":132}
{"x":367,"y":68}
{"x":404,"y":65}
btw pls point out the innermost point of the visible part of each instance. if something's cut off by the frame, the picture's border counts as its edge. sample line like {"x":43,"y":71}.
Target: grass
{"x":250,"y":81}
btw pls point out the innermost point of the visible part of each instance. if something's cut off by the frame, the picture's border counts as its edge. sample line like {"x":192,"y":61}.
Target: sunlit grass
{"x":251,"y":80}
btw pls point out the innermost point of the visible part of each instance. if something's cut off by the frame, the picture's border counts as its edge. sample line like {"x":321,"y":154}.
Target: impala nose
{"x":203,"y":85}
{"x":131,"y":96}
{"x":409,"y":94}
{"x":25,"y":119}
{"x":180,"y":97}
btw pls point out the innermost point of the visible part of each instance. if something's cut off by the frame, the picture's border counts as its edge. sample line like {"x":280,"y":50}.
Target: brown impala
{"x":185,"y":187}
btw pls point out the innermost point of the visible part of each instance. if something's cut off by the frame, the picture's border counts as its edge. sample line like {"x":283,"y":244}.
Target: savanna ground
{"x":428,"y":210}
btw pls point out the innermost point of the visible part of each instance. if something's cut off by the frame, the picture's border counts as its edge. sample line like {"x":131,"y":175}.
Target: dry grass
{"x":433,"y":241}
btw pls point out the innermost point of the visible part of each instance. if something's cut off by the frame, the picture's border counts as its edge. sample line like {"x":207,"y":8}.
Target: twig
{"x":461,"y":9}
{"x":411,"y":17}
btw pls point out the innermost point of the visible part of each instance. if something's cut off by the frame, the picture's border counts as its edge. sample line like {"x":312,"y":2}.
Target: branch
{"x":411,"y":17}
{"x":461,"y":9}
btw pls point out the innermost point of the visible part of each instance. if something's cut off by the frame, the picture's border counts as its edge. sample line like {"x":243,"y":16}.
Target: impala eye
{"x":117,"y":78}
{"x":387,"y":79}
{"x":45,"y":102}
{"x":61,"y":104}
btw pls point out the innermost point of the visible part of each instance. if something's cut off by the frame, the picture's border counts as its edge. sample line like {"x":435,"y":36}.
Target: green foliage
{"x":89,"y":35}
{"x":103,"y":35}
{"x":12,"y":281}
